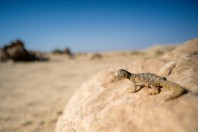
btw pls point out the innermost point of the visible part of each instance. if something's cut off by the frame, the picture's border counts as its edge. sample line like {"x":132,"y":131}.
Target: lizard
{"x":153,"y":81}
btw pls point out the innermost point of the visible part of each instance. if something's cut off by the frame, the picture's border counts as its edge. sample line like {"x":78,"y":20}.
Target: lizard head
{"x":123,"y":74}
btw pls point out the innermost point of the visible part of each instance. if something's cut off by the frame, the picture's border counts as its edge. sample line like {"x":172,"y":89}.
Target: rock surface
{"x":102,"y":104}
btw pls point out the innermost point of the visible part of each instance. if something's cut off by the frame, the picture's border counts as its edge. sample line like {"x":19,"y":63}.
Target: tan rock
{"x":102,"y":104}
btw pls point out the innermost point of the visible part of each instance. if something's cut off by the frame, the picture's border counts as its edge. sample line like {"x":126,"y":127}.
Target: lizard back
{"x":147,"y":79}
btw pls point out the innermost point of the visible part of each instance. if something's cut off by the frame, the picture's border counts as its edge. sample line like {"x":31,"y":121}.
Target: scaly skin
{"x":153,"y":81}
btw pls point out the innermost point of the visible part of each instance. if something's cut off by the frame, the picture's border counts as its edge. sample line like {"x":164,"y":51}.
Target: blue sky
{"x":97,"y":25}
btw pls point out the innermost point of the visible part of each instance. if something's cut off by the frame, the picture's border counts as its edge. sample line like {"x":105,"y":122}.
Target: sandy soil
{"x":34,"y":94}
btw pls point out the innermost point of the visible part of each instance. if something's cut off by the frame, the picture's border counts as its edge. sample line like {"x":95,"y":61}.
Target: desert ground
{"x":33,"y":94}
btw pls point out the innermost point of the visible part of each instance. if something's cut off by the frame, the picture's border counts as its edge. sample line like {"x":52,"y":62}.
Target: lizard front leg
{"x":132,"y":88}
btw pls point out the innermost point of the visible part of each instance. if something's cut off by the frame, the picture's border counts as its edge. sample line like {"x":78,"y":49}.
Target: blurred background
{"x":97,"y":25}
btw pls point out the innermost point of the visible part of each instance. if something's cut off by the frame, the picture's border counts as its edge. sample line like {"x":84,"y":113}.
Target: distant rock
{"x":17,"y":52}
{"x":102,"y":104}
{"x":57,"y":51}
{"x":94,"y":56}
{"x":3,"y":56}
{"x":89,"y":56}
{"x":68,"y":52}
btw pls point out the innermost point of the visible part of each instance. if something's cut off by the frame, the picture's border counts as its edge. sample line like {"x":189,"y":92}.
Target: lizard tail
{"x":176,"y":89}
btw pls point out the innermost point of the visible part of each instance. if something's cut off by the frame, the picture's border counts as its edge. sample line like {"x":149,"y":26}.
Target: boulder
{"x":102,"y":104}
{"x":16,"y":51}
